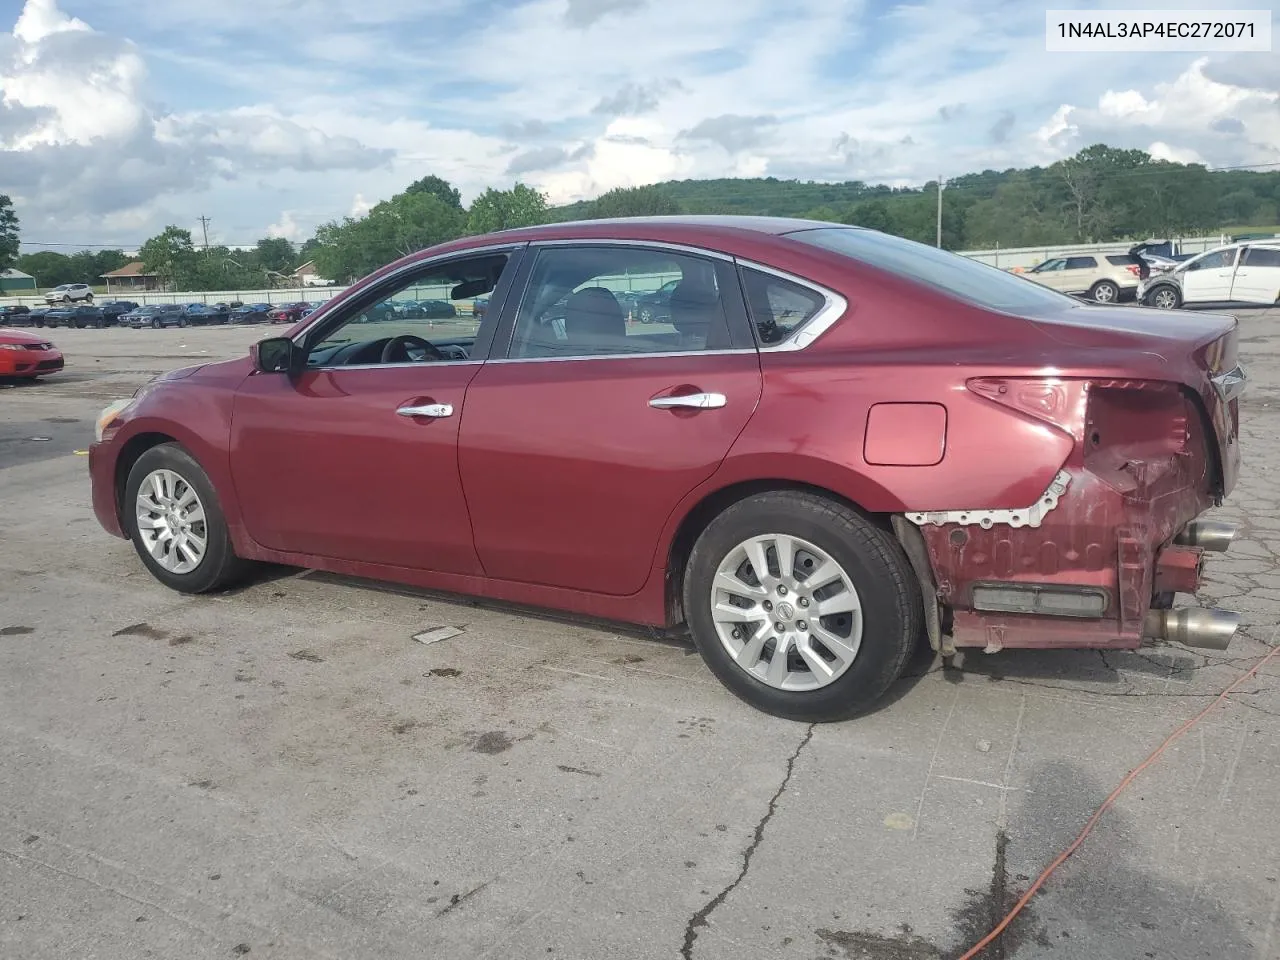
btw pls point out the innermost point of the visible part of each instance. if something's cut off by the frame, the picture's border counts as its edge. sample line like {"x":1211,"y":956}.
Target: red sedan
{"x":837,"y":443}
{"x":287,"y":312}
{"x":27,"y":355}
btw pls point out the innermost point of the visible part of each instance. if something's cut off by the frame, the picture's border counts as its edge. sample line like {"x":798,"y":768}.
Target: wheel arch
{"x":697,"y":517}
{"x":130,"y":453}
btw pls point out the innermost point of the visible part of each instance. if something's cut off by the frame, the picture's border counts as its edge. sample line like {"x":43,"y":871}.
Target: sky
{"x":118,"y":117}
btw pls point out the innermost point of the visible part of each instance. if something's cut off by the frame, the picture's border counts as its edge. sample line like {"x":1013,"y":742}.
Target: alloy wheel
{"x":787,"y":612}
{"x":171,"y":521}
{"x":1165,"y":299}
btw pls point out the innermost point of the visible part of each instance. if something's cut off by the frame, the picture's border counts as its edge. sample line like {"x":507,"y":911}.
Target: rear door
{"x":578,"y":443}
{"x":1078,"y":274}
{"x":1207,"y":278}
{"x":1257,"y":279}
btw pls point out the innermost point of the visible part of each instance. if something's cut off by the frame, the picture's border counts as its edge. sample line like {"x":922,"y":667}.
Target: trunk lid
{"x":1197,"y":350}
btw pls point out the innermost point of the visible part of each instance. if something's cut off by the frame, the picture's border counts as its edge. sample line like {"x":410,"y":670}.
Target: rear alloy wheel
{"x":1164,"y":298}
{"x":1104,"y":291}
{"x":801,"y":606}
{"x":172,"y":515}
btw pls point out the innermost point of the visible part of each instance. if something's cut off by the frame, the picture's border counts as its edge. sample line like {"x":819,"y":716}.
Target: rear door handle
{"x":433,"y":410}
{"x":696,"y":401}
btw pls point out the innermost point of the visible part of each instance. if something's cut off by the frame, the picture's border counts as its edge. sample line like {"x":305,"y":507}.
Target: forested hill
{"x":1098,"y":195}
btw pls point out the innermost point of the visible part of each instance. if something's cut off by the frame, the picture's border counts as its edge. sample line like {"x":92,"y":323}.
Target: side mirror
{"x":276,"y":355}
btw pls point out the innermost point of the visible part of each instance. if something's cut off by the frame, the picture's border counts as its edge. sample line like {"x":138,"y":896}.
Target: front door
{"x":1078,"y":274}
{"x":1050,"y":273}
{"x":1257,"y":279}
{"x":1207,"y":278}
{"x":357,"y":457}
{"x":577,"y":445}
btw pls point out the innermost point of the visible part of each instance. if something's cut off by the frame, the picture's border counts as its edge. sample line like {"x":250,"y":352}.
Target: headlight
{"x":11,"y":346}
{"x":109,"y":414}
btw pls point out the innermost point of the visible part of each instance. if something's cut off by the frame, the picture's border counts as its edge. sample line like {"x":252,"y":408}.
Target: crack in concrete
{"x":699,"y":919}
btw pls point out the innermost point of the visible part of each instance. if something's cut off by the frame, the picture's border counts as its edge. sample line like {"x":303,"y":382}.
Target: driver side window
{"x":430,"y":315}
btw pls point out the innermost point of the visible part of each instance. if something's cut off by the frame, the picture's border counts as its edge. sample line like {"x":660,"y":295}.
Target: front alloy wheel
{"x":171,"y":521}
{"x":1165,"y":298}
{"x":786,"y":612}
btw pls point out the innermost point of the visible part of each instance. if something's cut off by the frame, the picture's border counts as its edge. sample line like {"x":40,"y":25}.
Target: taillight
{"x":1054,"y":400}
{"x":1134,"y":269}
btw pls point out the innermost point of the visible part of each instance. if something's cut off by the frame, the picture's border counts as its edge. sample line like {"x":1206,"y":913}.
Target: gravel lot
{"x":283,"y":772}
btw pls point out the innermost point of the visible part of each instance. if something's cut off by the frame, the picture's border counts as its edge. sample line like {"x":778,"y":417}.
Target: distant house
{"x":306,"y":276}
{"x":15,"y":281}
{"x":132,"y":276}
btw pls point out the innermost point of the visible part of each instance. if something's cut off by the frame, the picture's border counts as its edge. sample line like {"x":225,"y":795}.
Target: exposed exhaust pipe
{"x":1212,"y":535}
{"x":1193,"y":626}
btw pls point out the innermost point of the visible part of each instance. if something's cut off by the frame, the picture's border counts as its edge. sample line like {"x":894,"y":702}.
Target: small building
{"x":132,"y":276}
{"x":306,"y":276}
{"x":15,"y":281}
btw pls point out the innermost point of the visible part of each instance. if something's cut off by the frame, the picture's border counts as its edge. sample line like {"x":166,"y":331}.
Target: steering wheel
{"x":402,"y":343}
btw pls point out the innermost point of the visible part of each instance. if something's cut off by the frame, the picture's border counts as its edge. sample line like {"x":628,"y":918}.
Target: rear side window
{"x":1081,"y":263}
{"x":779,"y":307}
{"x":1121,"y":260}
{"x":1261,"y":257}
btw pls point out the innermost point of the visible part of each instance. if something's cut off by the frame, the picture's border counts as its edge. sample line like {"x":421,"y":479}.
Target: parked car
{"x":1237,"y":274}
{"x":287,"y":312}
{"x":1103,"y":278}
{"x":27,"y":355}
{"x":654,"y":307}
{"x":69,"y":293}
{"x":156,"y":315}
{"x":207,"y":313}
{"x":436,"y":309}
{"x":845,"y":441}
{"x":18,"y":315}
{"x":83,"y":315}
{"x":251,"y":313}
{"x":113,"y":310}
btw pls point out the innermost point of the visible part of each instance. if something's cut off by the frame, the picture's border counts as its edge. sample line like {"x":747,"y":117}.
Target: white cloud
{"x":286,"y":227}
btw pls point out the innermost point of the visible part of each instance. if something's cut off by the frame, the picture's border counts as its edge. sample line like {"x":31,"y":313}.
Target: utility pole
{"x":939,"y":243}
{"x":204,"y":225}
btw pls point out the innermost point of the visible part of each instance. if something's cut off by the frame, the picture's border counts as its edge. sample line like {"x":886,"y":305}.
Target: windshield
{"x":951,"y":273}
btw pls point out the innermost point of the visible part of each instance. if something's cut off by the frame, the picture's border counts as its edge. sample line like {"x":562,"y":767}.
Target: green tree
{"x":8,"y":233}
{"x":50,"y":269}
{"x":650,"y":201}
{"x":171,"y":256}
{"x":437,"y":187}
{"x":521,"y":206}
{"x":275,"y":254}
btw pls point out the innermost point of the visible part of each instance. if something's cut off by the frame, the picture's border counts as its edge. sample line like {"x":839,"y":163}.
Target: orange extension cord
{"x":1106,"y":805}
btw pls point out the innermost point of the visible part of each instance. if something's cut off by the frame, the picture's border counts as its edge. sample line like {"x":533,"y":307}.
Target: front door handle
{"x":433,"y":410}
{"x":696,"y":401}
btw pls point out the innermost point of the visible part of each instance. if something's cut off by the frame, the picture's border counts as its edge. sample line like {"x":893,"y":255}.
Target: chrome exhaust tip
{"x":1212,"y":535}
{"x":1193,"y":627}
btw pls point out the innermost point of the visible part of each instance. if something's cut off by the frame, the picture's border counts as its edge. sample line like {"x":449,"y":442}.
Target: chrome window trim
{"x":423,"y":364}
{"x":818,"y":324}
{"x":684,"y":248}
{"x":411,"y":268}
{"x":626,"y":356}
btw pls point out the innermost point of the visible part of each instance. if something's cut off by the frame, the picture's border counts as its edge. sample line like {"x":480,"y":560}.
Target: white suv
{"x":70,"y":292}
{"x":1238,"y":273}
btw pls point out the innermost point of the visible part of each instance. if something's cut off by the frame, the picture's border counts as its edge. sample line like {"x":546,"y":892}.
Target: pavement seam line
{"x":699,"y":919}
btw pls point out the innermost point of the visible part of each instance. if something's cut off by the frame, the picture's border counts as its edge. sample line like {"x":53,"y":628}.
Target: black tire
{"x":182,"y":321}
{"x":220,"y":566}
{"x":156,"y":324}
{"x":1104,"y":291}
{"x":645,"y":315}
{"x":889,"y":593}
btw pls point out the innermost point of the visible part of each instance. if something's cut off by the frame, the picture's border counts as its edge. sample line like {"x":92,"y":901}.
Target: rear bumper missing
{"x":1097,"y":565}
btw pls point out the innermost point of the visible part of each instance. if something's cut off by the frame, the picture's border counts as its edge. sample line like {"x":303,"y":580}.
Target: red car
{"x":839,"y":442}
{"x":27,"y":355}
{"x":287,"y":312}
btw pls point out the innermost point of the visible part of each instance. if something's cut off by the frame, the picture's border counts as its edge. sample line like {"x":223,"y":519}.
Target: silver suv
{"x":69,"y":293}
{"x":1104,"y":278}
